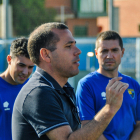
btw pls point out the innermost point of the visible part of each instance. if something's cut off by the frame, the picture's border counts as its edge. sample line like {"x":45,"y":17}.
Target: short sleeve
{"x":43,"y":110}
{"x":84,"y":100}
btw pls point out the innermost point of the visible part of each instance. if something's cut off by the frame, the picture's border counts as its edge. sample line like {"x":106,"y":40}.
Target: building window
{"x":88,"y":6}
{"x":80,"y":31}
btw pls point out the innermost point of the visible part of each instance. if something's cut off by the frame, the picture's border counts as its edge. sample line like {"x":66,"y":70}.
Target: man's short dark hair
{"x":109,"y":35}
{"x":43,"y":37}
{"x":19,"y":47}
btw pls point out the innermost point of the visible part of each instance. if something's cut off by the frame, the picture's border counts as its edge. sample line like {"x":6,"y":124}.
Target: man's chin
{"x":110,"y":69}
{"x":20,"y":81}
{"x":73,"y":74}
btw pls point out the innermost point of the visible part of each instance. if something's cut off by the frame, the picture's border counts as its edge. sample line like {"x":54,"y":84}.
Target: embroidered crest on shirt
{"x":5,"y":105}
{"x":131,"y":93}
{"x":103,"y":94}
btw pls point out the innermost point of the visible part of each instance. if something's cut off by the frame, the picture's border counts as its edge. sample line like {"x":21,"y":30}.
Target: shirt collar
{"x":52,"y":81}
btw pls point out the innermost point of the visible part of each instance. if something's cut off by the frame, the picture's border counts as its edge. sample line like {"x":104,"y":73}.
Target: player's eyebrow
{"x":70,"y":42}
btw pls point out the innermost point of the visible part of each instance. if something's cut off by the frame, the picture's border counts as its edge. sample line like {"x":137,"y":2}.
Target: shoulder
{"x":129,"y":80}
{"x":39,"y":91}
{"x":39,"y":96}
{"x":89,"y":77}
{"x":1,"y":80}
{"x":88,"y":82}
{"x":43,"y":91}
{"x":4,"y":84}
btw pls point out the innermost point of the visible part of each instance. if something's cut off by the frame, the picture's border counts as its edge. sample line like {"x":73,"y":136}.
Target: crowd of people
{"x":106,"y":105}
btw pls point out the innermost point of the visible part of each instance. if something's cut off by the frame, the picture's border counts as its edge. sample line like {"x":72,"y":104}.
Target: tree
{"x":28,"y":14}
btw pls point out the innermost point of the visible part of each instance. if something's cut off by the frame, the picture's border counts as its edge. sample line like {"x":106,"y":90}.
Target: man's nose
{"x":109,"y":54}
{"x":25,"y":71}
{"x":77,"y":51}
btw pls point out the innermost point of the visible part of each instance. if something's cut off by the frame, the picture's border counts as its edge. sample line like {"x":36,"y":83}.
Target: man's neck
{"x":7,"y":77}
{"x":110,"y":74}
{"x":60,"y":80}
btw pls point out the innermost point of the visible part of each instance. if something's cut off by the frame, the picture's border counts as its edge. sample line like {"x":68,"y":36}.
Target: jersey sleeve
{"x":85,"y":101}
{"x":43,"y":110}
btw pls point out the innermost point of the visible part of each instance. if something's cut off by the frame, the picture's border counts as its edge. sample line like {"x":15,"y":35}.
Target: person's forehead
{"x":108,"y":43}
{"x":59,"y":32}
{"x":23,"y":59}
{"x":64,"y":35}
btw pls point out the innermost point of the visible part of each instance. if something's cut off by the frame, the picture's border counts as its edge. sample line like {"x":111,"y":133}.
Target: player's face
{"x":65,"y":59}
{"x":20,"y":69}
{"x":109,"y":54}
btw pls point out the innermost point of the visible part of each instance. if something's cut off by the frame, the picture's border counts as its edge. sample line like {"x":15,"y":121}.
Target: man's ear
{"x":123,"y":51}
{"x":44,"y":53}
{"x":9,"y":59}
{"x":96,"y":53}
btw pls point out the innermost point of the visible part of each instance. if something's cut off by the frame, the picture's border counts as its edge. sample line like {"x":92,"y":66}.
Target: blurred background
{"x":85,"y":19}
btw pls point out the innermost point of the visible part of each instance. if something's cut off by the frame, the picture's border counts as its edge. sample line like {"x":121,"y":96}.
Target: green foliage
{"x":28,"y":14}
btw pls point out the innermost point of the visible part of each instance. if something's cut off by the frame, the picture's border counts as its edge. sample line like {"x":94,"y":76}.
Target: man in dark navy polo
{"x":45,"y":108}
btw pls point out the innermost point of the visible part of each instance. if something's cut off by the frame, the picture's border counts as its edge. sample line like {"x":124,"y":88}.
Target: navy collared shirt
{"x":42,"y":105}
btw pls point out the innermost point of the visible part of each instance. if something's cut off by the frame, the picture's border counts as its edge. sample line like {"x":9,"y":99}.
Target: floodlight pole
{"x":5,"y":13}
{"x":62,"y":14}
{"x":110,"y":14}
{"x":5,"y":27}
{"x":138,"y":60}
{"x":87,"y":63}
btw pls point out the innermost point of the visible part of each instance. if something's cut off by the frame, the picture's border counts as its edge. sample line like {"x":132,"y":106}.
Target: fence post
{"x":5,"y":27}
{"x":138,"y":59}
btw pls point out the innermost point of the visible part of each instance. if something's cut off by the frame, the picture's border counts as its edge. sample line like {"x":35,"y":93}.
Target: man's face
{"x":65,"y":59}
{"x":109,"y":54}
{"x":20,"y":69}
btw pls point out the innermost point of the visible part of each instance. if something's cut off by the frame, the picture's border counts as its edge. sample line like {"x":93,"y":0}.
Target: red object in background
{"x":100,"y":29}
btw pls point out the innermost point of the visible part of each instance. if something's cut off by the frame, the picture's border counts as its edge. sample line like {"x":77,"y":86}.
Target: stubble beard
{"x":71,"y":74}
{"x":110,"y":68}
{"x":67,"y":73}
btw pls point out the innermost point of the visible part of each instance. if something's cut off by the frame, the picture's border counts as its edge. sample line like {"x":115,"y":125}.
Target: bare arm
{"x":102,"y":137}
{"x":93,"y":130}
{"x":136,"y":132}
